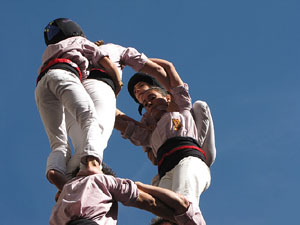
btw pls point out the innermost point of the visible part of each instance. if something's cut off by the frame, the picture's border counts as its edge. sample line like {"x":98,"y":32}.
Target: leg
{"x":80,"y":106}
{"x":190,"y":178}
{"x":105,"y":103}
{"x":59,"y":90}
{"x":104,"y":100}
{"x":75,"y":134}
{"x":52,"y":115}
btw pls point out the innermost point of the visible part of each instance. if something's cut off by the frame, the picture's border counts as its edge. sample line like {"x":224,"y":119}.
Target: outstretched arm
{"x":149,"y":203}
{"x":178,"y":203}
{"x":157,"y":71}
{"x":137,"y":132}
{"x":122,"y":120}
{"x":173,"y":77}
{"x":112,"y":70}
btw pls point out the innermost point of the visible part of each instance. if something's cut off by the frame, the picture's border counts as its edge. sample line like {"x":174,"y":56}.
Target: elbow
{"x":169,"y":66}
{"x":160,"y":70}
{"x":145,"y":201}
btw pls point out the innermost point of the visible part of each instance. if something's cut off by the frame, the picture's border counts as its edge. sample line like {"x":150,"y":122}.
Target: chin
{"x":158,"y":114}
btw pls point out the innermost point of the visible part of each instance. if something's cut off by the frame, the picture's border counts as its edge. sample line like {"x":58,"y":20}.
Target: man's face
{"x":155,"y":103}
{"x":139,"y":89}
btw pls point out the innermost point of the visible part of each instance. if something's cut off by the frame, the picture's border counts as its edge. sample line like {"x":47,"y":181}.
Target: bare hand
{"x":119,"y":86}
{"x":99,"y":42}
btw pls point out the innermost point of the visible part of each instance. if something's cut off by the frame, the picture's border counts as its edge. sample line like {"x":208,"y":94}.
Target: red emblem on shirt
{"x":177,"y":124}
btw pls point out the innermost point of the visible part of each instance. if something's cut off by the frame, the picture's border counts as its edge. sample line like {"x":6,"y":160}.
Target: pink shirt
{"x":122,"y":56}
{"x":93,"y":197}
{"x":171,"y":124}
{"x":82,"y":51}
{"x":78,"y":49}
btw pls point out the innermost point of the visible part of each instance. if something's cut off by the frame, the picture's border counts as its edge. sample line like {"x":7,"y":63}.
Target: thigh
{"x":166,"y":181}
{"x":190,"y":178}
{"x":104,"y":101}
{"x":71,"y":93}
{"x":51,"y":113}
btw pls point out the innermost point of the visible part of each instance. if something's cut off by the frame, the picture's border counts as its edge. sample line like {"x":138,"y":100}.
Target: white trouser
{"x":190,"y":177}
{"x":105,"y":103}
{"x":56,"y":91}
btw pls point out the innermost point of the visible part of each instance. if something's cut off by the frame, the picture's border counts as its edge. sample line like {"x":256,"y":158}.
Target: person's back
{"x":59,"y":90}
{"x":93,"y":197}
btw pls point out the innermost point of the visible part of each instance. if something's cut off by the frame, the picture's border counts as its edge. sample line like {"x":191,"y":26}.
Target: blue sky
{"x":242,"y":57}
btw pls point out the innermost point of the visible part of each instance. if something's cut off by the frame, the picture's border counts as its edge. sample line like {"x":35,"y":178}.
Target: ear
{"x":168,"y":97}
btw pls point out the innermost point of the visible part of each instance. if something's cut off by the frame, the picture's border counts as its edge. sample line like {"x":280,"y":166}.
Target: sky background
{"x":241,"y":57}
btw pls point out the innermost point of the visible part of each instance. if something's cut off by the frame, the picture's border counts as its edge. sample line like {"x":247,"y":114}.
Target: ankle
{"x":92,"y":161}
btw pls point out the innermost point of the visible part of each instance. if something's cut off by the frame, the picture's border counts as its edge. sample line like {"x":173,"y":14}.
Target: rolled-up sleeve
{"x":131,"y":57}
{"x":94,"y":53}
{"x":124,"y":191}
{"x":182,"y":97}
{"x":136,"y":134}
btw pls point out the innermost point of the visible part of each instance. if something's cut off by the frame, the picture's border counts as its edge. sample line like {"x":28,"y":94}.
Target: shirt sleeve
{"x":93,"y":52}
{"x":76,"y":57}
{"x":182,"y":97}
{"x":136,"y":134}
{"x":122,"y":190}
{"x":131,"y":57}
{"x":201,"y":116}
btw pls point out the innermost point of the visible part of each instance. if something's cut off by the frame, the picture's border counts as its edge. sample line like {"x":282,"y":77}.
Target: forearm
{"x":176,"y":202}
{"x":122,"y":119}
{"x":120,"y":123}
{"x":157,"y":72}
{"x":173,"y":77}
{"x":112,"y":70}
{"x":151,"y":204}
{"x":151,"y":156}
{"x":138,"y":134}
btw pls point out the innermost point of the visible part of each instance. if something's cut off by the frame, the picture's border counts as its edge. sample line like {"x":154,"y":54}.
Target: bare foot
{"x":56,"y":178}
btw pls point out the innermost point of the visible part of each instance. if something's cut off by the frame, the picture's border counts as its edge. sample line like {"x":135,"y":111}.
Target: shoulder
{"x":112,"y":46}
{"x":180,"y":89}
{"x":182,"y":97}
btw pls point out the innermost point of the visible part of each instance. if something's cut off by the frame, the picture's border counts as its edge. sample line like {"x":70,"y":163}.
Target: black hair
{"x":161,"y":90}
{"x":105,"y":169}
{"x":108,"y":170}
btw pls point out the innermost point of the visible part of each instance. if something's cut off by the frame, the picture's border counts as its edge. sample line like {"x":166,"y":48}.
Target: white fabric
{"x":190,"y":177}
{"x":103,"y":98}
{"x":206,"y":132}
{"x":122,"y":56}
{"x":105,"y":105}
{"x":56,"y":91}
